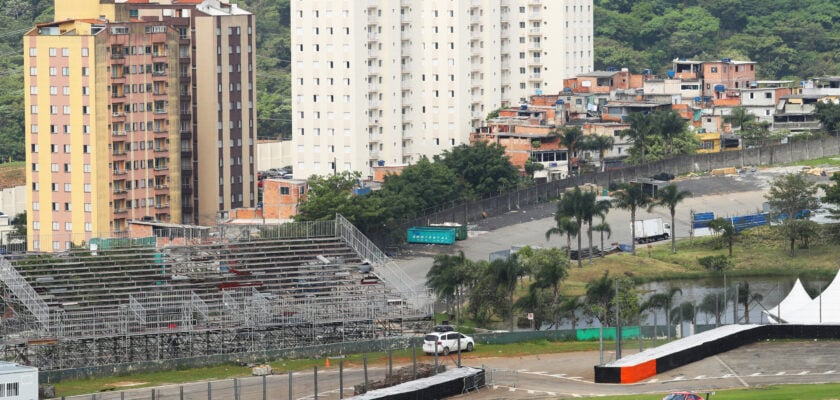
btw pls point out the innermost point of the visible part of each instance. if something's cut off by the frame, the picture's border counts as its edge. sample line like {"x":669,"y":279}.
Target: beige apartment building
{"x":381,"y":82}
{"x":126,"y":101}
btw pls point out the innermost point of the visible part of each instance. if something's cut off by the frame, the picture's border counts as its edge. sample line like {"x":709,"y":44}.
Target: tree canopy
{"x":787,"y":39}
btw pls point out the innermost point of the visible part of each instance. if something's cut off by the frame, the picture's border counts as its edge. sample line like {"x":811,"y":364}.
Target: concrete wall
{"x":13,"y":200}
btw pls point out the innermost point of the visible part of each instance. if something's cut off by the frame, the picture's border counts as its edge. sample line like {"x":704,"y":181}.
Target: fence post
{"x":364,"y":362}
{"x":414,"y":361}
{"x":290,"y":385}
{"x":264,"y":381}
{"x":181,"y":392}
{"x":340,"y":379}
{"x":209,"y":390}
{"x":235,"y":389}
{"x":315,"y":378}
{"x":390,"y":365}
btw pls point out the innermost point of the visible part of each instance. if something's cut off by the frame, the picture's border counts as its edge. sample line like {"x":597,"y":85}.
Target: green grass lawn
{"x":826,"y":391}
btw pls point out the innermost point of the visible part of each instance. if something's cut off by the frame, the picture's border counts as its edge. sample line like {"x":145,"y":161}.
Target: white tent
{"x":796,"y":299}
{"x":825,"y":309}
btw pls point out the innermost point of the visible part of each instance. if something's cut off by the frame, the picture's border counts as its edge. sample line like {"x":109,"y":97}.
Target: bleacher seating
{"x":314,"y":278}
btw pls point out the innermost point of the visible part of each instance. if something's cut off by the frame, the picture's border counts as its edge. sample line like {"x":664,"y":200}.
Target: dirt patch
{"x":127,"y":384}
{"x":11,"y":175}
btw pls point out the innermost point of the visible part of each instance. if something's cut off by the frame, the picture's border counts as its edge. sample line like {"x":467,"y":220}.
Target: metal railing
{"x":24,"y":293}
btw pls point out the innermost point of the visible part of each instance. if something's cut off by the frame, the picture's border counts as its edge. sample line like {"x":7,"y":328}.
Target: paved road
{"x":564,"y":375}
{"x":730,"y":195}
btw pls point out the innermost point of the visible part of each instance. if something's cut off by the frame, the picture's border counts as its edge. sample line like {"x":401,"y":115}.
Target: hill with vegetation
{"x":791,"y":40}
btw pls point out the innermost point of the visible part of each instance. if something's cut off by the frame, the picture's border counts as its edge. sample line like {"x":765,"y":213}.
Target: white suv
{"x":446,"y":342}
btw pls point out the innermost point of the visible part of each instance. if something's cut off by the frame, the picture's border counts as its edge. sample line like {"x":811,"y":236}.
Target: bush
{"x":715,"y":263}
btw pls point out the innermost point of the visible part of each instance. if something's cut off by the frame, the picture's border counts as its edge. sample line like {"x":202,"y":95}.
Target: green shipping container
{"x":460,"y":230}
{"x":431,"y":235}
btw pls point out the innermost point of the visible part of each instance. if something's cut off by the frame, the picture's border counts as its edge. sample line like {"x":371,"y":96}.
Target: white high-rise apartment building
{"x":385,"y":82}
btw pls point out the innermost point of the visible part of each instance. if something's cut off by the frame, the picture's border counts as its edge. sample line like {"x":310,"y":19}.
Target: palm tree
{"x":603,"y":228}
{"x":631,"y":197}
{"x":713,"y":304}
{"x":746,"y":298}
{"x":447,"y":276}
{"x":663,"y":301}
{"x":505,"y":274}
{"x":593,"y":208}
{"x":726,"y":229}
{"x":684,"y":312}
{"x":738,"y":117}
{"x":571,"y":137}
{"x":573,"y":205}
{"x":569,"y":309}
{"x":600,"y":143}
{"x":670,"y":125}
{"x":548,"y":268}
{"x":668,"y":197}
{"x":563,"y":226}
{"x":641,"y":128}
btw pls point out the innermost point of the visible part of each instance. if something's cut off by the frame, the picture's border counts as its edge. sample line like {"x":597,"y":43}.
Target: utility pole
{"x":617,"y":323}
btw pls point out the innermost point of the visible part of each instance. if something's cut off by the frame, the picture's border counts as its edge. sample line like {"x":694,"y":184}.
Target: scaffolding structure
{"x":143,"y":303}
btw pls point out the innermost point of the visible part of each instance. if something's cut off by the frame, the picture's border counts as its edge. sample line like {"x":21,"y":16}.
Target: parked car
{"x":682,"y":396}
{"x":447,"y":342}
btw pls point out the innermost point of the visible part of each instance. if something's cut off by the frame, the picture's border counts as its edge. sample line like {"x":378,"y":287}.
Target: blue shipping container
{"x":431,"y":235}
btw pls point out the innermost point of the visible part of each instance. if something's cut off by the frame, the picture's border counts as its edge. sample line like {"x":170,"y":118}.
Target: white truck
{"x":651,"y":230}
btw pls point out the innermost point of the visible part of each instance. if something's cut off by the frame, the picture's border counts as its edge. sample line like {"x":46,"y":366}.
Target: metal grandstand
{"x":248,"y":288}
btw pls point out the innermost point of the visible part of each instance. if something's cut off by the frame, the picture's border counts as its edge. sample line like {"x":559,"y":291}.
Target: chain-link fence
{"x":333,"y":378}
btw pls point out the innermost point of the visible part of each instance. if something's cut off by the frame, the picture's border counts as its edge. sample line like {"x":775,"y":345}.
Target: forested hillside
{"x":790,"y":39}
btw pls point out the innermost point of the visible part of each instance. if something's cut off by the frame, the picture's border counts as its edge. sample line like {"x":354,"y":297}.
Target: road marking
{"x":743,"y":382}
{"x":654,"y":380}
{"x":539,"y":373}
{"x":530,"y":392}
{"x":700,"y":377}
{"x":679,"y":378}
{"x":831,"y":371}
{"x":558,"y":376}
{"x":780,"y":373}
{"x":756,"y":374}
{"x":803,"y":373}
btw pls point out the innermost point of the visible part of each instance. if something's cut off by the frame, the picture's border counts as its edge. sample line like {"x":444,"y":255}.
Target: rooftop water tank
{"x":523,"y":107}
{"x":671,"y":73}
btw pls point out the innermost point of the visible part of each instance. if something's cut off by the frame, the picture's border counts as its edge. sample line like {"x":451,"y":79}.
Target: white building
{"x":386,"y":82}
{"x":18,"y":382}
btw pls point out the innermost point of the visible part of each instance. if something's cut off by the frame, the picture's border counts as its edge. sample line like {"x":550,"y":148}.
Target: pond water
{"x":771,"y":290}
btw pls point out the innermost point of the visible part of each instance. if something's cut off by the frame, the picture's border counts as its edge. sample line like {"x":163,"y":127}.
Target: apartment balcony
{"x":535,"y":77}
{"x":186,"y":190}
{"x":161,"y":205}
{"x":477,"y":115}
{"x":373,"y":104}
{"x":534,"y":46}
{"x":160,"y":54}
{"x":373,"y":154}
{"x":160,"y":111}
{"x":405,"y":18}
{"x":373,"y":121}
{"x":120,"y":191}
{"x":373,"y":70}
{"x":475,"y":19}
{"x":373,"y":37}
{"x":534,"y":32}
{"x":161,"y":170}
{"x":373,"y":19}
{"x":535,"y":16}
{"x":117,"y":116}
{"x":120,"y":210}
{"x":534,"y":61}
{"x":118,"y":172}
{"x":161,"y":149}
{"x":373,"y":53}
{"x":160,"y":93}
{"x":475,"y":3}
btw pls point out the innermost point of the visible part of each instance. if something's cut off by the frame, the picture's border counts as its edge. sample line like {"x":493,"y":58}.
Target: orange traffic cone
{"x":328,"y":362}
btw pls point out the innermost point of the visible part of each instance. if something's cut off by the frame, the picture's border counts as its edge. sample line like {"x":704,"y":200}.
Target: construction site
{"x":179,"y":294}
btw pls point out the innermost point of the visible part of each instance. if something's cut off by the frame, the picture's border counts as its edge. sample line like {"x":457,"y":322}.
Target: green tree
{"x":828,"y":113}
{"x":631,"y":197}
{"x":665,"y":301}
{"x":600,"y":299}
{"x":447,"y":277}
{"x":571,"y":137}
{"x":19,"y":222}
{"x":713,"y":304}
{"x":601,"y":144}
{"x":483,"y":168}
{"x":603,"y":228}
{"x":717,"y":263}
{"x":669,"y":197}
{"x":563,"y":225}
{"x":790,"y":197}
{"x":505,"y":273}
{"x":593,"y":208}
{"x":746,"y":297}
{"x":726,"y":230}
{"x":549,"y":267}
{"x":329,"y":195}
{"x":832,"y":195}
{"x":638,"y":134}
{"x":576,"y":206}
{"x":739,"y":116}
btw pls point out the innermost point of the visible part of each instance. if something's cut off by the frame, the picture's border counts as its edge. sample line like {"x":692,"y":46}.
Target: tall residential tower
{"x":124,"y":107}
{"x":385,"y":82}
